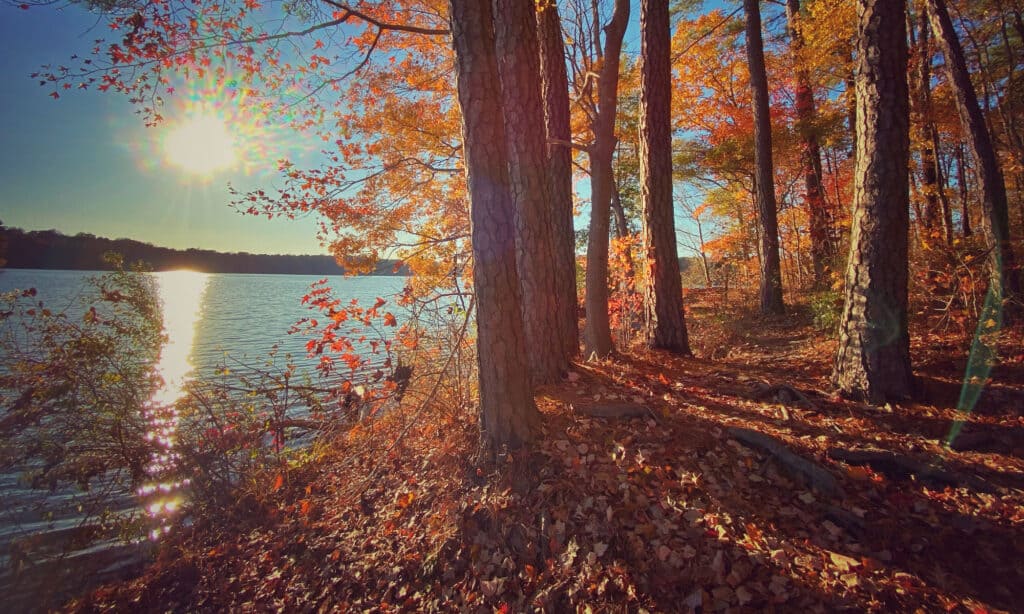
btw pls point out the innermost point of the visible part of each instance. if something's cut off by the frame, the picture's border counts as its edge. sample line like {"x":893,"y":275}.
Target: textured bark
{"x":515,"y":42}
{"x":814,"y":193}
{"x":771,"y":272}
{"x":665,"y":324}
{"x":597,"y":336}
{"x":508,"y":414}
{"x":1004,"y":278}
{"x":873,"y":362}
{"x":555,"y":88}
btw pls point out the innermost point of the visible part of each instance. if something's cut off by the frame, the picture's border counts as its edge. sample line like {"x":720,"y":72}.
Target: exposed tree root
{"x":900,"y":466}
{"x":814,"y":474}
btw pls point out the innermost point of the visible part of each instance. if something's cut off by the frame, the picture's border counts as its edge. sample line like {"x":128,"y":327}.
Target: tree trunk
{"x":874,"y":348}
{"x":1004,"y":278}
{"x":621,"y":224}
{"x":515,"y":41}
{"x":555,"y":86}
{"x":942,"y":173}
{"x":851,"y":111}
{"x":771,"y":272}
{"x":922,"y":113}
{"x":961,"y":177}
{"x":665,"y":323}
{"x":597,"y":336}
{"x":814,"y":197}
{"x":508,"y":415}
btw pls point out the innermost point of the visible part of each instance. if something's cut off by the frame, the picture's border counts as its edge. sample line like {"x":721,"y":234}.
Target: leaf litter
{"x":660,"y":512}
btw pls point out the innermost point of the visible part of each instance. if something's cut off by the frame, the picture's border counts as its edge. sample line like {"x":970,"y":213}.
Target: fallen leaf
{"x":843,"y":562}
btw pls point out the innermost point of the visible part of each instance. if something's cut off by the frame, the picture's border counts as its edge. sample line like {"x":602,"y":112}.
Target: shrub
{"x":826,"y":309}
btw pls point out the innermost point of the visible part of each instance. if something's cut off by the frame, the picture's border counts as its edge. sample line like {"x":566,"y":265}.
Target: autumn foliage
{"x":751,"y":476}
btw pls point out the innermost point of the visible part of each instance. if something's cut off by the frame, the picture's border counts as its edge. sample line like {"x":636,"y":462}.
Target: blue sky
{"x":86,"y":162}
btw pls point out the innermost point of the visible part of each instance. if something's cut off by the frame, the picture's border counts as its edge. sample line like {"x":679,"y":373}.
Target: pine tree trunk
{"x":771,"y":272}
{"x":873,"y":362}
{"x":665,"y":322}
{"x":814,"y":196}
{"x":508,"y":415}
{"x":1004,"y":278}
{"x":515,"y":34}
{"x":597,"y":336}
{"x":555,"y":87}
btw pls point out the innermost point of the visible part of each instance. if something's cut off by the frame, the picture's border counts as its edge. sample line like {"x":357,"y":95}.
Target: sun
{"x":201,"y":144}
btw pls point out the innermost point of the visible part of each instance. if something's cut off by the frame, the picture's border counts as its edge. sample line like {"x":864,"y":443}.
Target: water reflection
{"x":181,"y":295}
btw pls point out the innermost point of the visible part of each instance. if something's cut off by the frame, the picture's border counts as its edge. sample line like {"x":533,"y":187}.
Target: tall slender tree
{"x":665,"y":321}
{"x":597,"y":336}
{"x":519,"y":71}
{"x":555,"y":89}
{"x":1004,"y":278}
{"x":764,"y":175}
{"x":874,"y":347}
{"x":814,"y":193}
{"x":508,"y":414}
{"x":923,"y":117}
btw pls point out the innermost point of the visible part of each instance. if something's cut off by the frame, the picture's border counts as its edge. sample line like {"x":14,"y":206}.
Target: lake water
{"x":212,"y":321}
{"x":233,"y":316}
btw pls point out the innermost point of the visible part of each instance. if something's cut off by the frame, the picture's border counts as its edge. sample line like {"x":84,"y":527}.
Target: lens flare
{"x":201,"y":144}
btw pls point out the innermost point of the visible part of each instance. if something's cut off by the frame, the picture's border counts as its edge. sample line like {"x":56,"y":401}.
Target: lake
{"x":222,"y":315}
{"x":212,"y":321}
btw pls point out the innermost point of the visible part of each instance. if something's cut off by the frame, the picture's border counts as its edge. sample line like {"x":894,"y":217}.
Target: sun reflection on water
{"x":181,"y":295}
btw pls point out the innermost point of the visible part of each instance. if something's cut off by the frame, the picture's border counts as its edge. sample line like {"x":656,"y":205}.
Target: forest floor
{"x":665,"y":511}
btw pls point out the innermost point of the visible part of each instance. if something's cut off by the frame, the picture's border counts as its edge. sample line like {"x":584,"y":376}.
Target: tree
{"x":771,"y":272}
{"x":873,"y":361}
{"x":1004,"y":278}
{"x":519,"y":71}
{"x":508,"y":414}
{"x":936,"y":206}
{"x":665,"y":321}
{"x":597,"y":339}
{"x":555,"y":88}
{"x":814,"y":197}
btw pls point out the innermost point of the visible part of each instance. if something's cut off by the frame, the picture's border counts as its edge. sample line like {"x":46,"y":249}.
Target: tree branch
{"x":350,"y":12}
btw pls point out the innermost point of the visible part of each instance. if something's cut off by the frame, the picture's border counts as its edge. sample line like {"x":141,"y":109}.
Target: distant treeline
{"x":49,"y":249}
